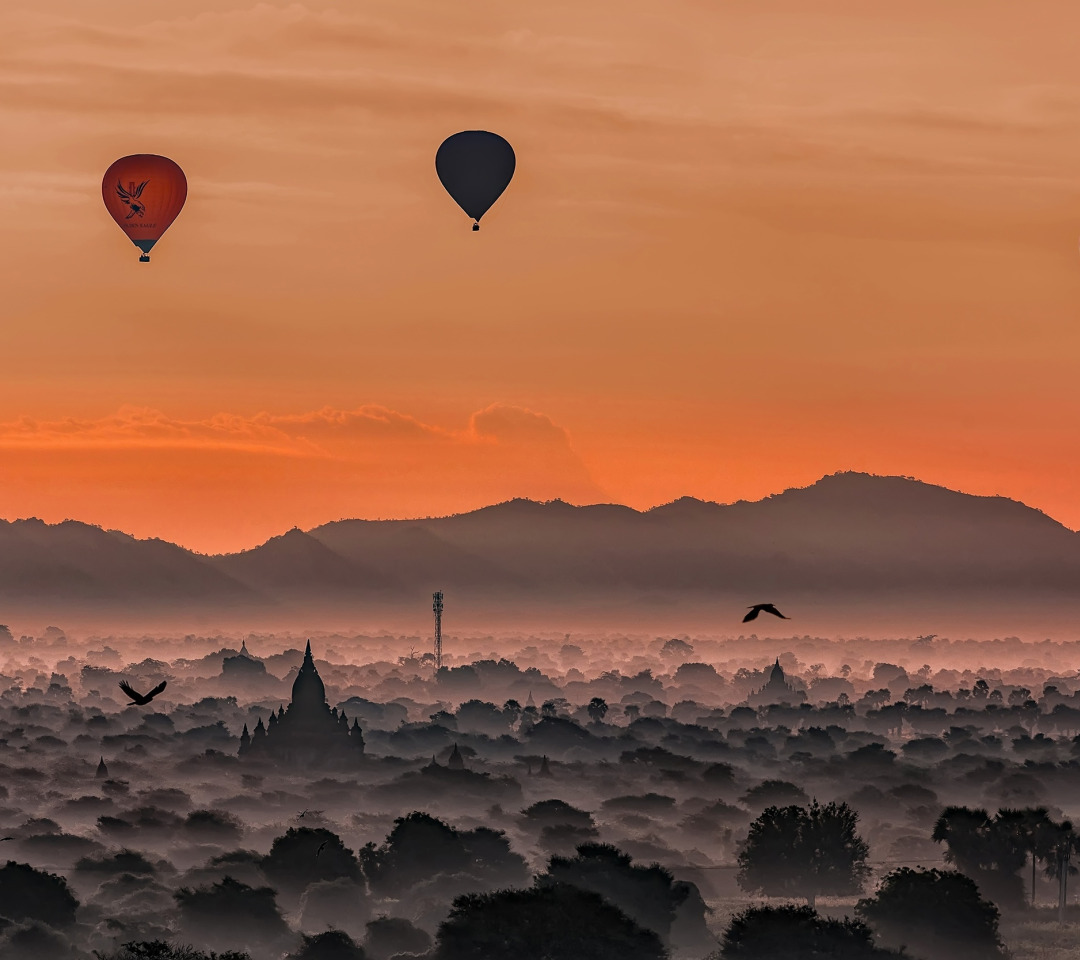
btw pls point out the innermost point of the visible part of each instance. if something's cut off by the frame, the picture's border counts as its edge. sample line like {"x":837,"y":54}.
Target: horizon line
{"x":542,"y":503}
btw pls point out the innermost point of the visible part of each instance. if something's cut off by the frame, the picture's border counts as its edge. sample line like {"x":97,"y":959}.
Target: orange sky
{"x":748,"y":243}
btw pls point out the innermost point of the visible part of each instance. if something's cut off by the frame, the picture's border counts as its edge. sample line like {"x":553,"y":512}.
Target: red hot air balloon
{"x":144,"y":193}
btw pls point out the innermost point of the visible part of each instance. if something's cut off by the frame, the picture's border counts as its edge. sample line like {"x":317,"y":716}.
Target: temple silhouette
{"x":776,"y":690}
{"x":309,"y":732}
{"x":243,"y":665}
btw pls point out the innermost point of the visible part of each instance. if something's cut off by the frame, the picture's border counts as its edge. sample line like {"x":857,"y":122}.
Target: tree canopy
{"x":553,"y":921}
{"x":804,"y":852}
{"x":305,"y":855}
{"x":30,"y":894}
{"x":936,"y":914}
{"x":421,"y":847}
{"x":990,"y":850}
{"x":797,"y":933}
{"x":648,"y":895}
{"x":231,"y":915}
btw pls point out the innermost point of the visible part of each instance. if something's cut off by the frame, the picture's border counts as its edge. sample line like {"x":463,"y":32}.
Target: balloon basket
{"x":476,"y":226}
{"x":144,"y":259}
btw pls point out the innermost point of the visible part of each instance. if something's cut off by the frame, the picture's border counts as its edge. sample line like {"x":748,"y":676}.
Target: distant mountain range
{"x":850,"y":535}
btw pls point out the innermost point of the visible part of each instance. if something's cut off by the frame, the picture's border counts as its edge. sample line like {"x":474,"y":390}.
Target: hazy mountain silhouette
{"x":77,"y":561}
{"x":298,"y":563}
{"x":849,"y":535}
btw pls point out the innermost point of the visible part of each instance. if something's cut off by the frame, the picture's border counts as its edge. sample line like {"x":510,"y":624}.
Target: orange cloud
{"x":227,"y":482}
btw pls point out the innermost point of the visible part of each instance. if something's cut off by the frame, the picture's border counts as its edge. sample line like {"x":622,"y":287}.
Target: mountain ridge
{"x":851,"y":535}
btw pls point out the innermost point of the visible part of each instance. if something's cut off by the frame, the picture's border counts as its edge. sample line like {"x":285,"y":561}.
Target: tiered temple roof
{"x":309,"y":732}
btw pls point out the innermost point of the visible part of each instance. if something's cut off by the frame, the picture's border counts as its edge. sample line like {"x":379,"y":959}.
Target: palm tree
{"x":1033,"y":829}
{"x":1062,"y":844}
{"x":992,"y":851}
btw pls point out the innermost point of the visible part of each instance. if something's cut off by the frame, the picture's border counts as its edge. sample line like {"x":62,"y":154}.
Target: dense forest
{"x":578,"y":797}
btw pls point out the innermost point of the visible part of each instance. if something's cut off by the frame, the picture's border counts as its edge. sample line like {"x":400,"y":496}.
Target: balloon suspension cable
{"x":476,"y":226}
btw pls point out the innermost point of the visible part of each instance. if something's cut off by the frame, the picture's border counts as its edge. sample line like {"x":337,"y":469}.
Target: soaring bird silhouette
{"x":763,"y":608}
{"x":320,"y":850}
{"x":141,"y":699}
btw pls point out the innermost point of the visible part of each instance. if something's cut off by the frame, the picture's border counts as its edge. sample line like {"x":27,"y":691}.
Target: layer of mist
{"x":851,"y":554}
{"x":495,"y":772}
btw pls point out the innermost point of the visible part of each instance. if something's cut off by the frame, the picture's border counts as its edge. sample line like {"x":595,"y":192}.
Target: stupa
{"x":777,"y":690}
{"x":308,"y":732}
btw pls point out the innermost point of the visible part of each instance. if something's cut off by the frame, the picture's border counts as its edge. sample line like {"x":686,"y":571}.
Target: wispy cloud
{"x":224,"y":481}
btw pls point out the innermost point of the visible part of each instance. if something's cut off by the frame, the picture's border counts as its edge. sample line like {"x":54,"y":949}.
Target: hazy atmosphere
{"x":561,"y":481}
{"x":746,"y":245}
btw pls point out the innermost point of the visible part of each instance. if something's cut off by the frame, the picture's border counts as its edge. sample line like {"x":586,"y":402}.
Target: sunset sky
{"x":748,"y":243}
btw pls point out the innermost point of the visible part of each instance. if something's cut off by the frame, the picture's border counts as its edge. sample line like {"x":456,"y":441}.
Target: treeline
{"x":592,"y":905}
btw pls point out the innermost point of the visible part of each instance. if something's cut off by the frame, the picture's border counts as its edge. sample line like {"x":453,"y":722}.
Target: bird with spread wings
{"x":763,"y":608}
{"x":131,"y":198}
{"x":141,"y":699}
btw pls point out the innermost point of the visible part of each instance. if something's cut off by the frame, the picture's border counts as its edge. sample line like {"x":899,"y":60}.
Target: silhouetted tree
{"x":421,"y":846}
{"x":512,"y":710}
{"x":331,"y":945}
{"x":719,"y":775}
{"x":387,"y":936}
{"x":29,"y":894}
{"x":1034,"y":828}
{"x":213,"y":826}
{"x":163,"y":950}
{"x":774,"y":793}
{"x":597,"y":709}
{"x":548,"y":922}
{"x":803,"y":852}
{"x":796,"y":933}
{"x":677,"y":648}
{"x":1062,"y":845}
{"x":990,"y":850}
{"x":418,"y":846}
{"x":937,"y":914}
{"x":564,"y":838}
{"x":556,"y":812}
{"x":340,"y":903}
{"x":296,"y":860}
{"x":33,"y":940}
{"x":124,"y":861}
{"x":647,"y":895}
{"x":230,"y":915}
{"x":483,"y":717}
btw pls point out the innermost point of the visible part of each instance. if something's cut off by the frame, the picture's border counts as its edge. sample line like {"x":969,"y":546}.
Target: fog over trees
{"x":577,"y":796}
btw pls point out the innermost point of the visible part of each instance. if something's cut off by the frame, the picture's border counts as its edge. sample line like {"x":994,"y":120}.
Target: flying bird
{"x":138,"y":698}
{"x":763,"y":608}
{"x":2,"y":839}
{"x":320,"y":850}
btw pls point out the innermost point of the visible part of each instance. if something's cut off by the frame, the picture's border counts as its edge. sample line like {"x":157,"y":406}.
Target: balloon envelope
{"x":475,"y":167}
{"x":144,"y":193}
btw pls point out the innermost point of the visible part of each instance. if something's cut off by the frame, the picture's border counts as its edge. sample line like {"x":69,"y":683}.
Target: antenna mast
{"x":437,"y":606}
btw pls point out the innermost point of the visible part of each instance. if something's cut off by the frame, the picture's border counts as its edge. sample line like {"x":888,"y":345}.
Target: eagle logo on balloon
{"x":131,"y":198}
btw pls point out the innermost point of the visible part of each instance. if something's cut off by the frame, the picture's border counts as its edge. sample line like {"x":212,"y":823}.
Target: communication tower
{"x":437,"y":606}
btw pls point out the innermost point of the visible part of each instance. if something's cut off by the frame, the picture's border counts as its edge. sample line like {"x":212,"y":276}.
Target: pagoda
{"x":777,"y":690}
{"x":308,"y":732}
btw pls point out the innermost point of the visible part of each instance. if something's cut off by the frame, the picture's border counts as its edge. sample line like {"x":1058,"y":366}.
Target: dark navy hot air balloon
{"x":475,"y":167}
